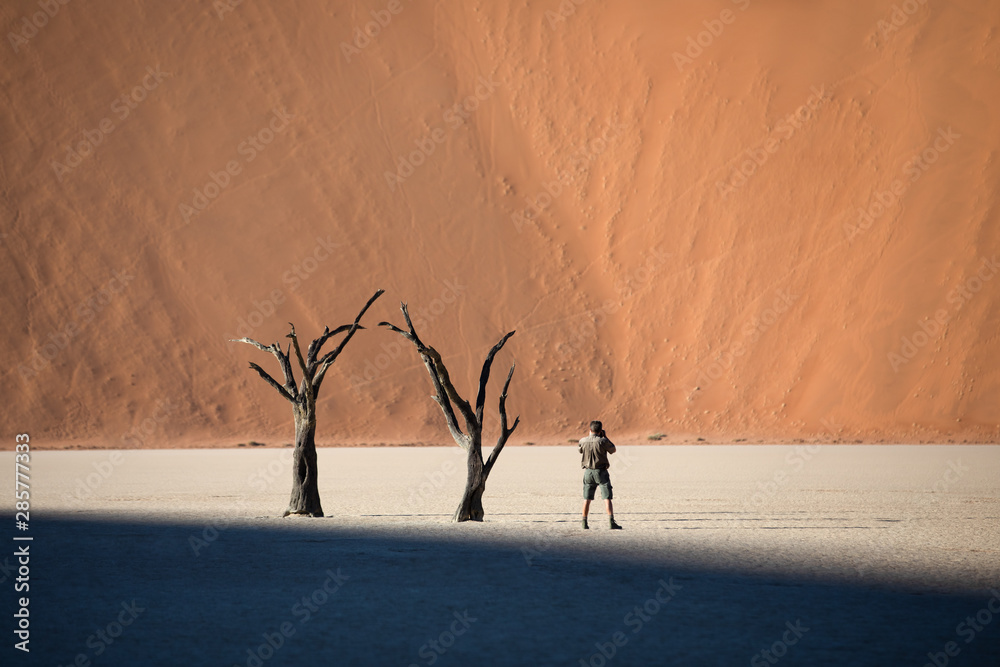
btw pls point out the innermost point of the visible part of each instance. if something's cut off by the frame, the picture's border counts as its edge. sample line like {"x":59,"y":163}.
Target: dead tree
{"x":305,"y":487}
{"x":471,"y":507}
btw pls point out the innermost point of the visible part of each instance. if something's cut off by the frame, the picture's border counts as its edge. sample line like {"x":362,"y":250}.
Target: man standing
{"x":595,"y":449}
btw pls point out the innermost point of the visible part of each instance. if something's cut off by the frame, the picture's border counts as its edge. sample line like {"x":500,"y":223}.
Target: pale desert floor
{"x":876,"y":555}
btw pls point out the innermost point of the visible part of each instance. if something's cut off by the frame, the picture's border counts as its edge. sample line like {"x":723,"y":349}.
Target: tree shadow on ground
{"x":120,"y":593}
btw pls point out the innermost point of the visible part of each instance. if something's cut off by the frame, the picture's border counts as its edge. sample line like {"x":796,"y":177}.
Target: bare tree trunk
{"x":305,"y":480}
{"x":471,"y":506}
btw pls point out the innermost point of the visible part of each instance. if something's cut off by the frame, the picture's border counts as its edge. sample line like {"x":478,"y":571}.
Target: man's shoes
{"x":585,"y":526}
{"x":614,"y":526}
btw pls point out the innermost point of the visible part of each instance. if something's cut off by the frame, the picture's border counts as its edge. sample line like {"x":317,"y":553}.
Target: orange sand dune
{"x":757,"y":219}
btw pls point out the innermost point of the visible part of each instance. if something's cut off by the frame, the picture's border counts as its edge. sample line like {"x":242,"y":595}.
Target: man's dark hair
{"x":596,"y":427}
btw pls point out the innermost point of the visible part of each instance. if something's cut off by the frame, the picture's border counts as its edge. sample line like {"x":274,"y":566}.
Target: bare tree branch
{"x":250,"y":341}
{"x":405,"y":334}
{"x":282,"y":357}
{"x":441,"y":398}
{"x":298,"y":352}
{"x":441,"y":393}
{"x":445,"y":379}
{"x":484,"y":377}
{"x":271,"y":381}
{"x":410,"y":335}
{"x":330,"y":357}
{"x":286,"y":369}
{"x":505,"y":432}
{"x":409,"y":324}
{"x":306,"y":370}
{"x":314,"y":347}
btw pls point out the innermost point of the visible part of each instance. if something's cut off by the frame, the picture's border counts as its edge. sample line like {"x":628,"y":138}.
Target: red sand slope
{"x":730,"y":219}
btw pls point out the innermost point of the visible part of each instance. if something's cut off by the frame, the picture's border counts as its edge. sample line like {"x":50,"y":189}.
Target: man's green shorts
{"x":594,"y":478}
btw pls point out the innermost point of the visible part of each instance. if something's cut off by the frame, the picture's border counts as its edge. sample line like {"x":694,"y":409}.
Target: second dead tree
{"x":471,"y":507}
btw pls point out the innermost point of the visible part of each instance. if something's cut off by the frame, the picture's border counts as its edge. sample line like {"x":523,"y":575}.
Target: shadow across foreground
{"x":120,"y":593}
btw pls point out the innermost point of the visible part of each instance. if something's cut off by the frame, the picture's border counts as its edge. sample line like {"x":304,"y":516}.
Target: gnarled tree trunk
{"x":305,"y":477}
{"x":447,"y":398}
{"x":471,"y":507}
